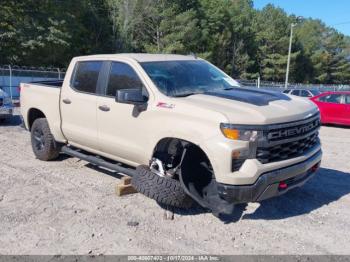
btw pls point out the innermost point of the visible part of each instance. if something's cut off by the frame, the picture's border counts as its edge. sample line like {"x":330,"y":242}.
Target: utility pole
{"x":289,"y":53}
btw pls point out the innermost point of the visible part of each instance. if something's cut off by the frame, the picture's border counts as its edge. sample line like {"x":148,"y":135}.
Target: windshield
{"x":183,"y":78}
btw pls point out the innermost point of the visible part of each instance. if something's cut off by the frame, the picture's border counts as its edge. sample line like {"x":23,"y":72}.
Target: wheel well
{"x":196,"y":174}
{"x":33,"y":115}
{"x":196,"y":169}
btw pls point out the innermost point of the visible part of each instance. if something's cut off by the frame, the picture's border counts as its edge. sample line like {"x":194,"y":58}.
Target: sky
{"x":334,"y":13}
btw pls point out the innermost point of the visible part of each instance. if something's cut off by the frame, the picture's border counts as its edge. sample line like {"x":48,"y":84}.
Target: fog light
{"x":238,"y":158}
{"x":236,"y":154}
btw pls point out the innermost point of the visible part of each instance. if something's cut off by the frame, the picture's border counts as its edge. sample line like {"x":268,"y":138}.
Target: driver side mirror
{"x":132,"y":96}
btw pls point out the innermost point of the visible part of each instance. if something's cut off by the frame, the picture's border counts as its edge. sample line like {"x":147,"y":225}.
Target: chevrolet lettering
{"x":290,"y":132}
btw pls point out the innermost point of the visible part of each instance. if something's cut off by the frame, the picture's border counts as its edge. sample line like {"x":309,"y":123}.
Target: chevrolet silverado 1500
{"x":182,"y":128}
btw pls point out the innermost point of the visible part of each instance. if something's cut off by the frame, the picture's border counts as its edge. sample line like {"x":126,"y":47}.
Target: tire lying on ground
{"x":43,"y":143}
{"x":164,"y":190}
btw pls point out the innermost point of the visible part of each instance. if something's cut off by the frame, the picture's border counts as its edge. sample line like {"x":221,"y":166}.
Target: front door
{"x":331,"y":108}
{"x":122,"y":130}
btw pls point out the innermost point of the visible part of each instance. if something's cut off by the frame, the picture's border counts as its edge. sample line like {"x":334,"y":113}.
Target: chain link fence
{"x":12,"y":76}
{"x":279,"y":86}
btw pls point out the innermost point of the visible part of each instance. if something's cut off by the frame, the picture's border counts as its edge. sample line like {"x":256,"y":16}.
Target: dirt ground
{"x":69,"y":207}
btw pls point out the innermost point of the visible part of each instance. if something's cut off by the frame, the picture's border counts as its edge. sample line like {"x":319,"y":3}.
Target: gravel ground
{"x":69,"y":207}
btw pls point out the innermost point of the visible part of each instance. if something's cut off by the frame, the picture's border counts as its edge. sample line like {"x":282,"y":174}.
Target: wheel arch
{"x":33,"y":114}
{"x":196,"y":174}
{"x":194,"y":150}
{"x":165,"y":141}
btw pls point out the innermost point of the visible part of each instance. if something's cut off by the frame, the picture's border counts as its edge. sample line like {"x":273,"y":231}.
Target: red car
{"x":334,"y":107}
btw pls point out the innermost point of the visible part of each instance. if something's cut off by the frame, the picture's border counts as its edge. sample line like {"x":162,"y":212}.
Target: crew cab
{"x":183,"y":129}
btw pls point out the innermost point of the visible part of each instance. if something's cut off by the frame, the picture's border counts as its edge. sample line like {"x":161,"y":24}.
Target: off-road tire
{"x":166,"y":191}
{"x":47,"y":148}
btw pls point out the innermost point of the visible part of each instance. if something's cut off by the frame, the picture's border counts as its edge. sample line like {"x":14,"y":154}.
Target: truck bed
{"x":43,"y":97}
{"x":55,"y":83}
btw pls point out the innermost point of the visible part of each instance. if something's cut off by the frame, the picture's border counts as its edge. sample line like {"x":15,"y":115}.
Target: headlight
{"x":7,"y":101}
{"x":240,"y":133}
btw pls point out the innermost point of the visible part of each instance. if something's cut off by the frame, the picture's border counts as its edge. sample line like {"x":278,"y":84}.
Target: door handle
{"x":104,"y":108}
{"x":66,"y":101}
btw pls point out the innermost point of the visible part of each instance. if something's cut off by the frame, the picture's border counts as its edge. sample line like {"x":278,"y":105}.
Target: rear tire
{"x":164,"y":190}
{"x":43,"y":143}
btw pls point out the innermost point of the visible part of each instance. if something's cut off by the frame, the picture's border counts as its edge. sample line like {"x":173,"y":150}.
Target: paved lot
{"x":69,"y":207}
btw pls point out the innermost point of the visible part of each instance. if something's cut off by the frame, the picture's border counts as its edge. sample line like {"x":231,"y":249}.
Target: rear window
{"x":86,"y":76}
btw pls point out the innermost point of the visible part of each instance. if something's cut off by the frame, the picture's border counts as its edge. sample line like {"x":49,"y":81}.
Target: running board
{"x":97,"y":161}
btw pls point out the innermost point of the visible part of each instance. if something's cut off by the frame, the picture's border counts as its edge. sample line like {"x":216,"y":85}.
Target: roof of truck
{"x":144,"y":57}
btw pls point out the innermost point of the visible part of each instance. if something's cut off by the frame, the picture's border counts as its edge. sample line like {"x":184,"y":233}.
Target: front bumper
{"x":268,"y":184}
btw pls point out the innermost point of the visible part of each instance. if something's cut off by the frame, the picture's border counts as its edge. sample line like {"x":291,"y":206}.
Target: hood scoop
{"x":250,"y":95}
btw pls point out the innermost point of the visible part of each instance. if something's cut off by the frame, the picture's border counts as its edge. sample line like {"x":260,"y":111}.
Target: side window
{"x":286,"y":91}
{"x":86,"y":76}
{"x":333,"y":98}
{"x":122,"y":76}
{"x":305,"y":93}
{"x":295,"y":92}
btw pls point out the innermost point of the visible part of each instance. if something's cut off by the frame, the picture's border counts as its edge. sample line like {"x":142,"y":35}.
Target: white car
{"x":302,"y":92}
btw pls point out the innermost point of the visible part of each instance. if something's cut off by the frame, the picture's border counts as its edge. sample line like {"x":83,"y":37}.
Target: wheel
{"x":43,"y":143}
{"x":164,"y":190}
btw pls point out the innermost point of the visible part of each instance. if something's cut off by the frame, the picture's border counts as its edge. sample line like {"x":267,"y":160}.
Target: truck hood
{"x":254,"y":107}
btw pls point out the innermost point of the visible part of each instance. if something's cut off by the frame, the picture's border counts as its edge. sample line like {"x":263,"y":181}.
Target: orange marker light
{"x":231,"y":133}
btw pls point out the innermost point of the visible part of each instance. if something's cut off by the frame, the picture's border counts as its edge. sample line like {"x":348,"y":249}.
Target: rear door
{"x":78,"y":105}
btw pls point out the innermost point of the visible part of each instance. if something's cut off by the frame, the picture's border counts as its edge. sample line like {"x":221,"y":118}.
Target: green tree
{"x":272,"y":27}
{"x":244,"y":42}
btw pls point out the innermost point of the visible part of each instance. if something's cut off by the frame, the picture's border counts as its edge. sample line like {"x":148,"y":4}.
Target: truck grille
{"x":289,"y":140}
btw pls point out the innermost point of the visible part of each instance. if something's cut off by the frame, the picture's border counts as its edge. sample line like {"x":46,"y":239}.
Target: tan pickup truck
{"x":182,"y":128}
